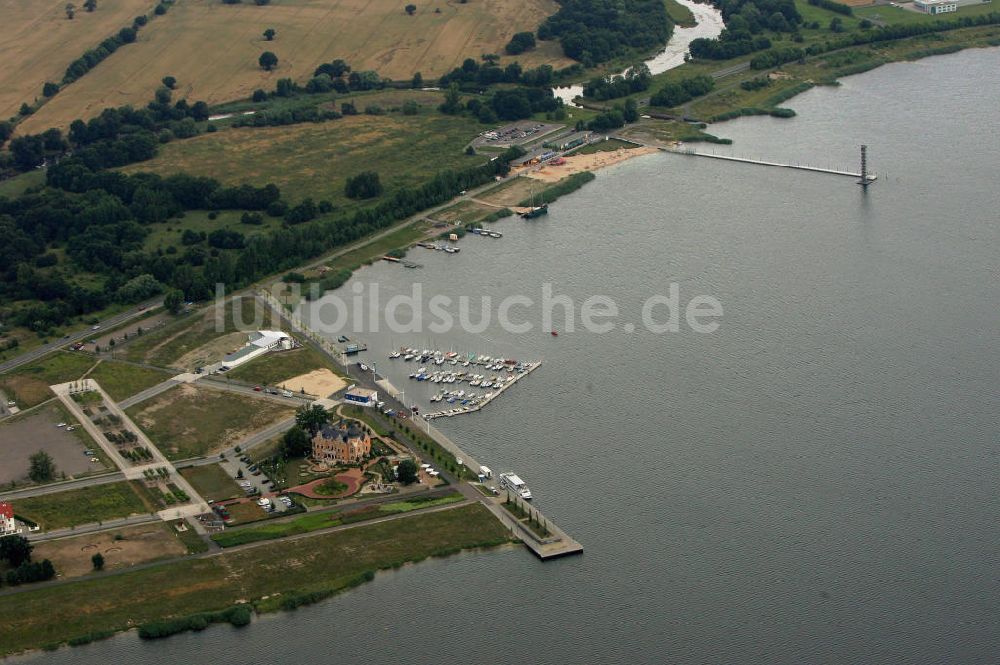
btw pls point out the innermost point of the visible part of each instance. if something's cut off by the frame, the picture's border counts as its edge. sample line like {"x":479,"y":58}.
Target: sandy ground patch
{"x":319,"y":382}
{"x":213,"y":351}
{"x":21,"y":439}
{"x":71,"y":556}
{"x":592,"y":162}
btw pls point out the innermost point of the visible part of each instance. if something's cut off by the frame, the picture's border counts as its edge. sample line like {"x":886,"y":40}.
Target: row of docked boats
{"x":486,"y":233}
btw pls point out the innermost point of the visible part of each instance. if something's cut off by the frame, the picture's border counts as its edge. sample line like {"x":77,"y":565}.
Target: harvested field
{"x":120,"y":548}
{"x":320,"y":382}
{"x":191,"y":421}
{"x":369,"y":35}
{"x":23,"y":437}
{"x":39,"y":42}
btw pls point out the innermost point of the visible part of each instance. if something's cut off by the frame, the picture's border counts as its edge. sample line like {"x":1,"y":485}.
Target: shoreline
{"x":483,"y":532}
{"x":578,"y":163}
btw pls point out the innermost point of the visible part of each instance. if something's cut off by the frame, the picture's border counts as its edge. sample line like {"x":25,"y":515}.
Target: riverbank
{"x":267,"y":577}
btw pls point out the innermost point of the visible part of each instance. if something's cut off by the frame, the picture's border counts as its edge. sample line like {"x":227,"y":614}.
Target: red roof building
{"x":7,"y":524}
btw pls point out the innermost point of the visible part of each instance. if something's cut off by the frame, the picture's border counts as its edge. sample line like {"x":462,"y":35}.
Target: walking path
{"x":196,"y":506}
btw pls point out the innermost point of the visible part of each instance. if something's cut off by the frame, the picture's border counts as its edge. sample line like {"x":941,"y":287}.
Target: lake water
{"x":815,"y":482}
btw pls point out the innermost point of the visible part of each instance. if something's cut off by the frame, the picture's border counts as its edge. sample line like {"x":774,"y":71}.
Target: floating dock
{"x":870,"y":177}
{"x":449,"y":368}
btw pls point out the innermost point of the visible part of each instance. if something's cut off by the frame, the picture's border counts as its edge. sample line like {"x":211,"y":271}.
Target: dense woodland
{"x":596,"y":31}
{"x":99,"y":220}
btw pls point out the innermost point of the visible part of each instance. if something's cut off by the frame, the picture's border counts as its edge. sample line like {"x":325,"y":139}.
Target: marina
{"x":450,"y":368}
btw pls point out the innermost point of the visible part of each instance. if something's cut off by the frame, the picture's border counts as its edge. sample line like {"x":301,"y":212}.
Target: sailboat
{"x":533,"y":210}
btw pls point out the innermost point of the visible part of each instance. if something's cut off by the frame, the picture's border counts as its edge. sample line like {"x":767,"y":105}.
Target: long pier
{"x":869,"y":177}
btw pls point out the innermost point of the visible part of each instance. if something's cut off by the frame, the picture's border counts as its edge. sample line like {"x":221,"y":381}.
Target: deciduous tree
{"x":42,"y":469}
{"x":268,"y":60}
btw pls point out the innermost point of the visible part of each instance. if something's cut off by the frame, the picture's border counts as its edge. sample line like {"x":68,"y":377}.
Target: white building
{"x":8,"y":526}
{"x":935,"y":7}
{"x":258,"y":343}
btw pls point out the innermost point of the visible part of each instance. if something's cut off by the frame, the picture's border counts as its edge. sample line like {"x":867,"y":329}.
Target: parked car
{"x":257,"y":388}
{"x":287,"y":393}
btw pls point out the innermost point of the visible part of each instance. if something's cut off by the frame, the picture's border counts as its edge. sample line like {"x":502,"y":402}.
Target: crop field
{"x":212,"y":48}
{"x":316,"y":159}
{"x":39,"y":42}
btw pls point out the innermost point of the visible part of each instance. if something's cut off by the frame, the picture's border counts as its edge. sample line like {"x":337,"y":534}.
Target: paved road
{"x":53,"y":488}
{"x":93,"y":527}
{"x":109,"y":322}
{"x":148,"y":393}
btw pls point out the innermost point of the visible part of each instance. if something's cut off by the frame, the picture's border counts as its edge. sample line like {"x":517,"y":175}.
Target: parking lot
{"x":23,"y":438}
{"x":516,"y":133}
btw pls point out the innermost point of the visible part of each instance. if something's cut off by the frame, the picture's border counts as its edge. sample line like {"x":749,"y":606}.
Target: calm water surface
{"x":813,"y":483}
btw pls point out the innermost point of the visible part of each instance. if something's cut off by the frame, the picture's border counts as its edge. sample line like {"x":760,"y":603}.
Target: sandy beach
{"x":548,"y":172}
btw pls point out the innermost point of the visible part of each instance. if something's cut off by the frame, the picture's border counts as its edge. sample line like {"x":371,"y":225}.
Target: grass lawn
{"x":325,"y":564}
{"x":315,"y":159}
{"x":193,"y":421}
{"x":315,"y":522}
{"x":16,"y":186}
{"x":244,"y":513}
{"x":680,"y":14}
{"x":122,"y":380}
{"x":81,"y":506}
{"x":29,"y":384}
{"x":605,"y":146}
{"x":212,"y":482}
{"x":189,"y":538}
{"x":273,"y":369}
{"x":166,"y":235}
